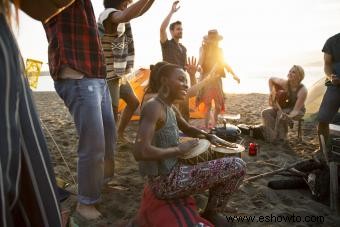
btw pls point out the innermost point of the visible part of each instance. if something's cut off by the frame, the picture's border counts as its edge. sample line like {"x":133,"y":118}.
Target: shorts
{"x":118,"y":91}
{"x":330,"y":104}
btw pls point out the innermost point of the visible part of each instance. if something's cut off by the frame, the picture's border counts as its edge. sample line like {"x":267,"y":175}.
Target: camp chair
{"x":332,"y":161}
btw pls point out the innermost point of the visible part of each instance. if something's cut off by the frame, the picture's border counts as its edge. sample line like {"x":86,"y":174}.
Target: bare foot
{"x":217,"y":219}
{"x":89,"y":212}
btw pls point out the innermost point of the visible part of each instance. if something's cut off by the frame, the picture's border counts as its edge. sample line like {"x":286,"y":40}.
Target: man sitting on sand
{"x":280,"y":113}
{"x":158,"y":149}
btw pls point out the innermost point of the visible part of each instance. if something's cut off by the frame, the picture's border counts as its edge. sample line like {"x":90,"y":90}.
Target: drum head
{"x":228,"y":150}
{"x":203,"y":145}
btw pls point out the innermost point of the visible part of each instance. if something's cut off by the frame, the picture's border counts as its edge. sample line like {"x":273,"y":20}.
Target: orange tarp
{"x":138,"y":84}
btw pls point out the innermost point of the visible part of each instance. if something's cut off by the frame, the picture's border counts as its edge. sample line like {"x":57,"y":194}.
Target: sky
{"x":262,"y":38}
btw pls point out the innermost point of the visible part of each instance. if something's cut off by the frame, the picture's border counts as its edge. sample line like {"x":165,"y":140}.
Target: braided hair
{"x":159,"y":70}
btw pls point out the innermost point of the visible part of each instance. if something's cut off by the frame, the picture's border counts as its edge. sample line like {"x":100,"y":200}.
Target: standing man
{"x":331,"y":100}
{"x":118,"y":47}
{"x":174,"y":52}
{"x":77,"y":67}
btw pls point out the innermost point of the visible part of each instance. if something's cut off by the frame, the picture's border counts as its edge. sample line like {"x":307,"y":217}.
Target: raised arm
{"x":146,"y":7}
{"x":129,"y":13}
{"x":166,"y":21}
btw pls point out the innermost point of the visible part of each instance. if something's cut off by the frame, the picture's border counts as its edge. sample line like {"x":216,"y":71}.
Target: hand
{"x":335,"y":80}
{"x":174,"y":7}
{"x":191,"y":66}
{"x":237,"y":79}
{"x":188,"y":145}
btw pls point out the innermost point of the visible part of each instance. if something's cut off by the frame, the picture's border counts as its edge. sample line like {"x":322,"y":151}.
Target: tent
{"x":140,"y":79}
{"x":315,"y":95}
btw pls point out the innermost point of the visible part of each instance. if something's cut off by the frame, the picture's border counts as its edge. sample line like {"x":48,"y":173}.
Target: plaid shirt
{"x":74,"y":41}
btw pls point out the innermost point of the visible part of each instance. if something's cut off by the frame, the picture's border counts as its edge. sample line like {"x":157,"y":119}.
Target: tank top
{"x":293,"y":97}
{"x":165,"y":137}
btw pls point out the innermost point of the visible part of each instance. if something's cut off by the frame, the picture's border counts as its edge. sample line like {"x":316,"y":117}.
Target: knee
{"x":265,"y":113}
{"x":241,"y":166}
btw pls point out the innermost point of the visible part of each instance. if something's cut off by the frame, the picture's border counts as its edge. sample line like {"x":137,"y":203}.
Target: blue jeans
{"x":330,"y":104}
{"x":89,"y":102}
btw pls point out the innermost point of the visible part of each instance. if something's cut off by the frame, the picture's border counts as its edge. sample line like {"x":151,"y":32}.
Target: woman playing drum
{"x":158,"y":149}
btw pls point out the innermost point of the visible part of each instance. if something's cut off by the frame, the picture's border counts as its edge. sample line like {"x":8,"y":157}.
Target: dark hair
{"x":172,"y":25}
{"x":112,"y":3}
{"x":157,"y":71}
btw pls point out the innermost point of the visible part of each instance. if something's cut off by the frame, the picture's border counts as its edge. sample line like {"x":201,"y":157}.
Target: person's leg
{"x":329,"y":107}
{"x":268,"y":121}
{"x":114,"y":93}
{"x":128,"y":95}
{"x":221,"y":176}
{"x":84,"y":101}
{"x":110,"y":135}
{"x":207,"y":114}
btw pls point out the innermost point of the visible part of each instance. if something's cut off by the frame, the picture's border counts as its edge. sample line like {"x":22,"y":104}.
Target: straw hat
{"x":202,"y":146}
{"x":213,"y":36}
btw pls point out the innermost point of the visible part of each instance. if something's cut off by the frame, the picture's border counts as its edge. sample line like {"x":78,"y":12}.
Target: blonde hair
{"x":300,"y":72}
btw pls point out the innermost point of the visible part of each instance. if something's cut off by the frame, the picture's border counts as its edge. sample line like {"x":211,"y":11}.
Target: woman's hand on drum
{"x":213,"y":139}
{"x":188,"y":145}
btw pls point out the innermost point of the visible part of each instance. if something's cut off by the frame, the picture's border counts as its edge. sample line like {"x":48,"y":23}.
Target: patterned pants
{"x":221,"y":176}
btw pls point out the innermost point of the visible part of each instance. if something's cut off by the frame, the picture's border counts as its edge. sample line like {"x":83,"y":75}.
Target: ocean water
{"x":251,"y":81}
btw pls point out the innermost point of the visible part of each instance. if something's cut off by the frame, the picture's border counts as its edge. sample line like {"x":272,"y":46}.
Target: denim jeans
{"x":89,"y":102}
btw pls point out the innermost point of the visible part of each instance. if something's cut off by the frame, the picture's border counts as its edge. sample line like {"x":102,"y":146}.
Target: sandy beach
{"x":121,"y":199}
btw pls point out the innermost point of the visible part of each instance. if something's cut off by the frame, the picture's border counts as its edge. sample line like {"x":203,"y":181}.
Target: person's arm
{"x":328,"y":66}
{"x":192,"y":131}
{"x":301,"y":98}
{"x":328,"y":62}
{"x":230,"y":70}
{"x":146,"y":7}
{"x":272,"y":82}
{"x":187,"y":129}
{"x":143,"y":150}
{"x":165,"y":23}
{"x":191,"y":67}
{"x":129,"y":13}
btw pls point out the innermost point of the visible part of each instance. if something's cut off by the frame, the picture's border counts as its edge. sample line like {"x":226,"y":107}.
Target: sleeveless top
{"x":292,"y":95}
{"x":165,"y":137}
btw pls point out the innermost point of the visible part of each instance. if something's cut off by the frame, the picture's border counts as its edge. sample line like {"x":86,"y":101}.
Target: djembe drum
{"x":197,"y":154}
{"x":225,"y":151}
{"x":204,"y":151}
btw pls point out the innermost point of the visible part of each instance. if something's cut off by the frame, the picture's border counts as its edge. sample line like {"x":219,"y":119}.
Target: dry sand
{"x":122,"y":200}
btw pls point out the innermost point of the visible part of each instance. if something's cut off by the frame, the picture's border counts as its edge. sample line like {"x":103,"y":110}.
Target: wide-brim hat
{"x":213,"y":36}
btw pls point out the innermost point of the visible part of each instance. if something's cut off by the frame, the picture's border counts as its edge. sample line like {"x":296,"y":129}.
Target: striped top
{"x":27,"y":182}
{"x":118,"y":49}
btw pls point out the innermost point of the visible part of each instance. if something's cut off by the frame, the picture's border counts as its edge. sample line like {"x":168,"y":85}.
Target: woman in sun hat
{"x":211,"y":58}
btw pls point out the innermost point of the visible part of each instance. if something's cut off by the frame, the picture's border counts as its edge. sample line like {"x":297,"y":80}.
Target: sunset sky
{"x":260,"y":37}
